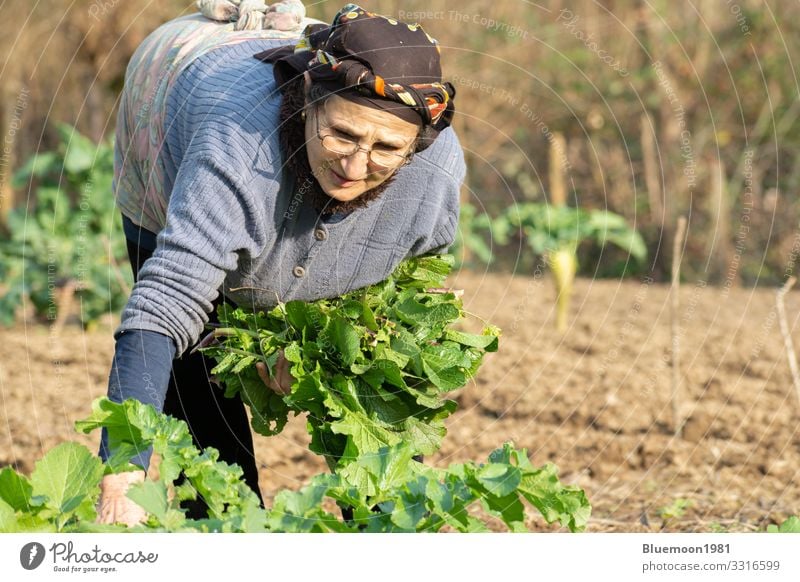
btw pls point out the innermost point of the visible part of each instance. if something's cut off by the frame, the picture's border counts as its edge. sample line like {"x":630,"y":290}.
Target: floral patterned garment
{"x":152,"y":71}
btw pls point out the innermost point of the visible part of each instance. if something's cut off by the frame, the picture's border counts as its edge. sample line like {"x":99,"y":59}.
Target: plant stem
{"x":787,"y":337}
{"x":564,"y":265}
{"x":558,"y":187}
{"x":677,"y":247}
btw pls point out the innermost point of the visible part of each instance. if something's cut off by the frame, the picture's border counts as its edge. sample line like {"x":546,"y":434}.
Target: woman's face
{"x":346,"y":178}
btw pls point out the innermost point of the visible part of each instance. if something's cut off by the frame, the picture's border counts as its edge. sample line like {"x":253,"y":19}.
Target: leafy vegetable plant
{"x":61,"y":494}
{"x":555,"y":232}
{"x":372,"y":371}
{"x":64,"y":243}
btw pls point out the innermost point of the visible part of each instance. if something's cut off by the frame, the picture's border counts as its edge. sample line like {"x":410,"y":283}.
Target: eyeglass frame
{"x":405,"y":158}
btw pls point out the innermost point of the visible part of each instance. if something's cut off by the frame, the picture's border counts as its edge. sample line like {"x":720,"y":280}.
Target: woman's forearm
{"x":140,"y":370}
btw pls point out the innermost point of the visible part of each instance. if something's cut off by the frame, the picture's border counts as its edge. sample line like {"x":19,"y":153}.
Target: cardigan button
{"x":320,"y":234}
{"x":299,"y":271}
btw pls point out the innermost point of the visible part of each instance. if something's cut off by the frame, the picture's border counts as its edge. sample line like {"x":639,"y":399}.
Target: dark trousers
{"x":214,"y":421}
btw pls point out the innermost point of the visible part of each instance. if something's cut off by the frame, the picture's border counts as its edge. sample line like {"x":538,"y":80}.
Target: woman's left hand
{"x":281,"y":382}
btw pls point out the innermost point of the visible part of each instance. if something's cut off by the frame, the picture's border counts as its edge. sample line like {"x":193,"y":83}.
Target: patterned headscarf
{"x":374,"y":60}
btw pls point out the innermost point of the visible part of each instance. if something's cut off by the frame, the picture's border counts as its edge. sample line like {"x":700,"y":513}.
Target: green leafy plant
{"x":675,"y":510}
{"x":791,"y":525}
{"x":372,"y":368}
{"x":63,"y":247}
{"x":556,"y":232}
{"x":62,"y":491}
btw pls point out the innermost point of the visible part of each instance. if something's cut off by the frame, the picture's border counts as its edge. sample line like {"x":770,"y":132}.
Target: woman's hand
{"x":281,"y":383}
{"x":114,"y":506}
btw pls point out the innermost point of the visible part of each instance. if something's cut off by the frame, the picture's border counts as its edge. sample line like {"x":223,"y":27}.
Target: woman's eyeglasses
{"x":385,"y":158}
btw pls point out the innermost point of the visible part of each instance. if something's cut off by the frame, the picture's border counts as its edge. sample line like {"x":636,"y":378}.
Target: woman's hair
{"x":293,"y":145}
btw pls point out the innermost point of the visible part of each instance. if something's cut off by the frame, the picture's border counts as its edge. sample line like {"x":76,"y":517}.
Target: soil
{"x":596,"y":400}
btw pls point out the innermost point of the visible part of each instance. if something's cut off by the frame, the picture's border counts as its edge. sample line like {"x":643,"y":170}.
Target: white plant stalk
{"x":564,"y":266}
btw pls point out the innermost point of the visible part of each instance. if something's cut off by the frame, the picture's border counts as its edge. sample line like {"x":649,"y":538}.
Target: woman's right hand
{"x":114,"y":505}
{"x":281,"y":382}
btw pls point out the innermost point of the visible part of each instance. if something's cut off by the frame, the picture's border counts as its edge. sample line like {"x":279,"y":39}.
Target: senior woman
{"x":298,"y":171}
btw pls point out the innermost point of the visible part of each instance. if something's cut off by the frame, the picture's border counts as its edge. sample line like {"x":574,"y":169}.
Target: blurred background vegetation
{"x":650,"y":110}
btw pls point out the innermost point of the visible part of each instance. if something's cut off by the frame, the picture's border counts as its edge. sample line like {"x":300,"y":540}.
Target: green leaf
{"x":444,"y":356}
{"x":367,"y":315}
{"x":8,"y":518}
{"x":415,"y":313}
{"x":385,"y":353}
{"x":38,"y":165}
{"x":791,"y":525}
{"x":226,"y":365}
{"x":383,"y":407}
{"x":66,"y":476}
{"x":80,"y":151}
{"x":499,"y":479}
{"x":297,"y":314}
{"x":433,"y":268}
{"x":380,"y":370}
{"x":269,"y":410}
{"x":308,"y":394}
{"x":405,"y":345}
{"x":629,"y":241}
{"x":243,"y":364}
{"x":86,"y":511}
{"x":347,"y":391}
{"x":487,"y":341}
{"x":410,"y":507}
{"x":603,"y":220}
{"x":152,"y":497}
{"x":424,"y":437}
{"x":567,"y":505}
{"x":133,"y":427}
{"x":367,"y":436}
{"x":508,"y":508}
{"x":446,"y":379}
{"x":15,"y":489}
{"x":305,"y":501}
{"x":390,"y":467}
{"x":293,"y":353}
{"x":342,"y":335}
{"x":352,"y":309}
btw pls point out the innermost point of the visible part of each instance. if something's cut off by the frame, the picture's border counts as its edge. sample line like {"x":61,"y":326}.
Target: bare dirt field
{"x":596,"y":401}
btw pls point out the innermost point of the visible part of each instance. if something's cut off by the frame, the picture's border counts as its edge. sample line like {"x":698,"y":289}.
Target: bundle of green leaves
{"x":372,"y":368}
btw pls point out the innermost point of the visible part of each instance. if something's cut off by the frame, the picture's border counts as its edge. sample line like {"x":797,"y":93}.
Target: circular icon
{"x":31,"y":555}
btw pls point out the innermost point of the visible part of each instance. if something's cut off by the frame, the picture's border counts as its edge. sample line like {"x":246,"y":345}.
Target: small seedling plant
{"x":556,"y":232}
